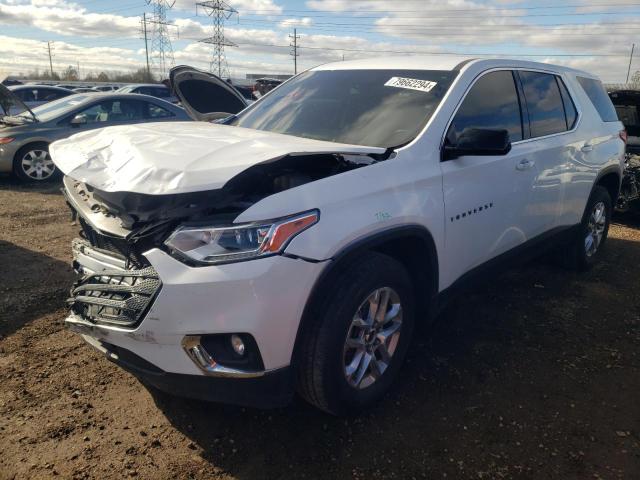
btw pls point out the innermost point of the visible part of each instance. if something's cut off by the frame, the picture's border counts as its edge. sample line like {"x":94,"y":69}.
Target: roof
{"x":439,"y":62}
{"x":30,"y":86}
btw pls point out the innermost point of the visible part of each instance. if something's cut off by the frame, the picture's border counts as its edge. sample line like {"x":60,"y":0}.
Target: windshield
{"x":54,"y":109}
{"x":380,"y":108}
{"x":128,"y":89}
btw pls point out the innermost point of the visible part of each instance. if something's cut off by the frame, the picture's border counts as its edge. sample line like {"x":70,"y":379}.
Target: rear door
{"x":485,"y":196}
{"x":550,"y":144}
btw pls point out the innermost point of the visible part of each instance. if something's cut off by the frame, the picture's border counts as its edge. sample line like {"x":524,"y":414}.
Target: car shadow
{"x":11,"y":183}
{"x":493,"y":353}
{"x":31,"y":284}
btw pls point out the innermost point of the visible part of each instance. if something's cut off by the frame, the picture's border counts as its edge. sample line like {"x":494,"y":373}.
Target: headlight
{"x":211,"y":245}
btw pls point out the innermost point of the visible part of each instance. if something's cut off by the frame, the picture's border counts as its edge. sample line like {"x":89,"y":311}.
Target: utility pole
{"x":294,"y":50}
{"x":50,"y":62}
{"x":146,"y":44}
{"x":161,"y":49}
{"x":219,"y":11}
{"x":633,"y":47}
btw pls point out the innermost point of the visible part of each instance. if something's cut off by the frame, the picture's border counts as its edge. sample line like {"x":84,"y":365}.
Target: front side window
{"x":544,"y":103}
{"x":492,"y":103}
{"x":380,"y":108}
{"x":156,"y":111}
{"x":114,"y":111}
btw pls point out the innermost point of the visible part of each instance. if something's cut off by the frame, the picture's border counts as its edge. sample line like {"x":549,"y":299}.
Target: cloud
{"x":296,"y":22}
{"x":67,"y":19}
{"x":256,"y":6}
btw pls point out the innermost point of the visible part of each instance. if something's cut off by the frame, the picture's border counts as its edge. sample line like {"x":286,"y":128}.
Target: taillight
{"x":5,"y":140}
{"x":623,"y":136}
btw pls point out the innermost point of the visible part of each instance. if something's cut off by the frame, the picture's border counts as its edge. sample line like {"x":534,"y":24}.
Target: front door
{"x":485,"y":196}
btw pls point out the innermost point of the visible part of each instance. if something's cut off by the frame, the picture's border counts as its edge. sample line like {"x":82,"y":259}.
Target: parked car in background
{"x":306,"y":235}
{"x":36,"y":95}
{"x":25,"y":136}
{"x":11,"y":81}
{"x":264,"y":86}
{"x":106,"y":88}
{"x":85,"y":90}
{"x":154,"y":89}
{"x":627,"y":104}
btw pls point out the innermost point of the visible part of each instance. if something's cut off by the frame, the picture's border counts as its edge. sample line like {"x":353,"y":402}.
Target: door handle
{"x":525,"y":165}
{"x":587,"y":148}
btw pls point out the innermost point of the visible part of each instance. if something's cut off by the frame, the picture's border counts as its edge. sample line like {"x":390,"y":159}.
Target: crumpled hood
{"x":177,"y":157}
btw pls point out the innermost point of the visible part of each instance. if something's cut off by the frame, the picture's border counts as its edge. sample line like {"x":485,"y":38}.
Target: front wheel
{"x":586,"y":248}
{"x":33,"y":163}
{"x":354,"y":350}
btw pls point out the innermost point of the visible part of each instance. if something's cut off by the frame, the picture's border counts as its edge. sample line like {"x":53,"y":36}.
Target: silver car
{"x":25,"y":136}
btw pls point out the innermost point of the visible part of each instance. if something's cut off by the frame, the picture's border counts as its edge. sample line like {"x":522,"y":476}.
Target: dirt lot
{"x":535,"y":375}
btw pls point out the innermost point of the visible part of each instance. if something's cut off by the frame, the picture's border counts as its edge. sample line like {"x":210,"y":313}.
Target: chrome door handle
{"x":525,"y":165}
{"x":587,"y":148}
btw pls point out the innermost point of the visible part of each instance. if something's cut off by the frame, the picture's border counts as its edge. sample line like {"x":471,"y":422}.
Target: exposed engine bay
{"x":136,"y":216}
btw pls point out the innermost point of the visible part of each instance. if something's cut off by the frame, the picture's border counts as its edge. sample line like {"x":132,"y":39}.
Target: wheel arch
{"x":411,"y":245}
{"x":611,"y":179}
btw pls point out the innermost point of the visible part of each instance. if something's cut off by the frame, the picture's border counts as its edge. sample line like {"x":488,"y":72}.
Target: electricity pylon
{"x":219,"y":11}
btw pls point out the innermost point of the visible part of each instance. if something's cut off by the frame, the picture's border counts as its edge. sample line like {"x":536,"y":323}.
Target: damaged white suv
{"x":295,"y":245}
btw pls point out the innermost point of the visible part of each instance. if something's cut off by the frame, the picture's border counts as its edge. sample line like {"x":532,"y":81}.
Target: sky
{"x":99,"y":35}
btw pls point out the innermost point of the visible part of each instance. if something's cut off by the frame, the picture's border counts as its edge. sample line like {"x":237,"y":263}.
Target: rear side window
{"x":598,"y":96}
{"x":544,"y":103}
{"x":491,"y":103}
{"x":569,"y":107}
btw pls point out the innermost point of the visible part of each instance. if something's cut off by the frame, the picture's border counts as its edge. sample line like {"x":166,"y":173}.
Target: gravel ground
{"x":533,"y":375}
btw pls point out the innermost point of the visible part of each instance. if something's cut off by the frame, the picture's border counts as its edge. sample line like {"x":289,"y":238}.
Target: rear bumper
{"x":271,"y":390}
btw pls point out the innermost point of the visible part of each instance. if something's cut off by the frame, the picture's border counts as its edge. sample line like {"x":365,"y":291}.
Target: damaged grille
{"x":117,"y":284}
{"x":118,"y":246}
{"x":115,"y":297}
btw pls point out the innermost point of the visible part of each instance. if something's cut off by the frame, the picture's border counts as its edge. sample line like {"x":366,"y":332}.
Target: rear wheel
{"x":354,"y":350}
{"x":586,"y":248}
{"x":33,"y":163}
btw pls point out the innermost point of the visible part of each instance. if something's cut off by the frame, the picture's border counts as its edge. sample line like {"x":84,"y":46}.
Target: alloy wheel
{"x":37,"y":164}
{"x":372,"y":338}
{"x":595,"y":229}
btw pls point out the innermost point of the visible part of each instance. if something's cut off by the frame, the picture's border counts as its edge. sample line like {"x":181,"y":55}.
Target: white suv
{"x":296,"y":244}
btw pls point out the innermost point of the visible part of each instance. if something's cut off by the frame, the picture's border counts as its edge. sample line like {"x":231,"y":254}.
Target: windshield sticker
{"x":411,"y":83}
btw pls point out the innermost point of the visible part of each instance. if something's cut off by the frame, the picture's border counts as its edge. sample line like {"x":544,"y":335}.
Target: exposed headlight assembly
{"x":212,"y":245}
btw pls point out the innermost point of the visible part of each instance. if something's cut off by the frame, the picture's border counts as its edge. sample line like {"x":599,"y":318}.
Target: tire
{"x":585,"y":250}
{"x":330,"y":363}
{"x":33,"y":163}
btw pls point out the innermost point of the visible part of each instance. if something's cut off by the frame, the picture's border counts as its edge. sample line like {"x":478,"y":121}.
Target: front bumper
{"x":7,"y":154}
{"x":264,"y":298}
{"x":272,"y":390}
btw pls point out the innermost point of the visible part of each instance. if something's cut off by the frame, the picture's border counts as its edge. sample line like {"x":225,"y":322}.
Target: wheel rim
{"x":373,"y":337}
{"x":595,"y":229}
{"x":37,"y":164}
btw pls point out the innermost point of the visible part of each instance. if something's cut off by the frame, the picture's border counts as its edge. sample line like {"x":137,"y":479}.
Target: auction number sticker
{"x":411,"y":83}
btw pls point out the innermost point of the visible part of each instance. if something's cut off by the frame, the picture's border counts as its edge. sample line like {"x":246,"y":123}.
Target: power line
{"x":219,"y":11}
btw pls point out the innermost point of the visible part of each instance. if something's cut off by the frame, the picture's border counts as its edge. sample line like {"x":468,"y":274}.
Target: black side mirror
{"x":479,"y":141}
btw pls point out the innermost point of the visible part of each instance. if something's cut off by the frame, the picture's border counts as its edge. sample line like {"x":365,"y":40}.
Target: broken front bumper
{"x":263,"y":298}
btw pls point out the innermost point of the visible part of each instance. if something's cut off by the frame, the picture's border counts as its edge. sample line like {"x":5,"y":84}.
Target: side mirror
{"x":479,"y":141}
{"x":79,"y":120}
